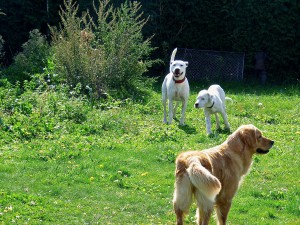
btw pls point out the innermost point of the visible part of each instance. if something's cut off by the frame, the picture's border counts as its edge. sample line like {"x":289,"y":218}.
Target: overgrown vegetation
{"x":105,"y":54}
{"x":65,"y":162}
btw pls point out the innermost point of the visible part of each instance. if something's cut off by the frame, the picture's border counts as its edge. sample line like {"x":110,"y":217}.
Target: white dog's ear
{"x":186,"y":63}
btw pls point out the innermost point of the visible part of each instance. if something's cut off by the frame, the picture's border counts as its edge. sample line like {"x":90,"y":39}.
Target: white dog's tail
{"x":173,"y":55}
{"x":203,"y":180}
{"x":229,"y":99}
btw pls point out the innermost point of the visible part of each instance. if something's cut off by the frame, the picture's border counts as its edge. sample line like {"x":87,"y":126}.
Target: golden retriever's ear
{"x":248,"y":136}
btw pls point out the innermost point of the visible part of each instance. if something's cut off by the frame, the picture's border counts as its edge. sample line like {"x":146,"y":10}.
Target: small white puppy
{"x":175,"y":88}
{"x":213,"y":102}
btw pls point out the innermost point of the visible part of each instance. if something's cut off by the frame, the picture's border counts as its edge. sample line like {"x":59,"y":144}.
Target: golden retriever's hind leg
{"x":222,"y":212}
{"x":182,"y":196}
{"x":179,"y":216}
{"x":205,"y":208}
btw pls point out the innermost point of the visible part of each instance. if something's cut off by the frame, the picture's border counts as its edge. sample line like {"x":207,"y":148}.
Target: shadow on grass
{"x":187,"y":129}
{"x":219,"y":131}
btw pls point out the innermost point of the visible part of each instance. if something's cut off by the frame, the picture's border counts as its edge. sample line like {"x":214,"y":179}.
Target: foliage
{"x":119,"y":32}
{"x":31,"y":60}
{"x":65,"y":162}
{"x":1,"y":49}
{"x":74,"y":57}
{"x":106,"y":55}
{"x":242,"y":26}
{"x":37,"y":108}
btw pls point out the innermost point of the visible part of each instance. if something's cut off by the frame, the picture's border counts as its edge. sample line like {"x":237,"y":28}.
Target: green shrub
{"x":31,"y":60}
{"x":105,"y":54}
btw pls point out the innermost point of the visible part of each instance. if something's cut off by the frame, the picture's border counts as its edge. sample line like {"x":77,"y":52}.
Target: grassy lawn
{"x":116,"y":166}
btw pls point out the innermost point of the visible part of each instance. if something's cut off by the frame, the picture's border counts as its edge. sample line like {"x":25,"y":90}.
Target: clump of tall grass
{"x":105,"y":54}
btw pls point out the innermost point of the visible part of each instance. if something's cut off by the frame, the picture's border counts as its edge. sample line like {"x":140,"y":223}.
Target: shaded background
{"x":241,"y":26}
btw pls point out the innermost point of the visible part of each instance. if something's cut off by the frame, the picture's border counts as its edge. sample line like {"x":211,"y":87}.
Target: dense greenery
{"x":108,"y":53}
{"x":105,"y":54}
{"x":244,"y":26}
{"x":65,"y":162}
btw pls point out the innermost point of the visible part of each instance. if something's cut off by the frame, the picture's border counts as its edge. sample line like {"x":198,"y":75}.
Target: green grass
{"x":116,"y":165}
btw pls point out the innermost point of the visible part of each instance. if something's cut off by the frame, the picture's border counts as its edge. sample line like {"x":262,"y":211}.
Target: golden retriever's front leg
{"x":222,"y":212}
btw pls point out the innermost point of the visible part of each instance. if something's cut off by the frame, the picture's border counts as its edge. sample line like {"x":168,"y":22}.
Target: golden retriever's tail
{"x":203,"y":180}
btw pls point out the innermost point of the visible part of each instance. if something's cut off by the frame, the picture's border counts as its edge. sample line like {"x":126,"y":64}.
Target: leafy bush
{"x":120,"y":32}
{"x":37,"y":109}
{"x":31,"y":60}
{"x":105,"y":54}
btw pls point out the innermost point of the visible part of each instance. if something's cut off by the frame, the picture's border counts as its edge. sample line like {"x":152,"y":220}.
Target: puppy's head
{"x":254,"y":139}
{"x":178,"y":68}
{"x":202,"y":99}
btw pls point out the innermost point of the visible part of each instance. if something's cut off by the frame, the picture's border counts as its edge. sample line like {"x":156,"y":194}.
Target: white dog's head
{"x":204,"y":99}
{"x":177,"y":67}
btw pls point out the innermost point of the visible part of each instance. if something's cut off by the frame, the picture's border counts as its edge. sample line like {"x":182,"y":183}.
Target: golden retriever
{"x":213,"y":175}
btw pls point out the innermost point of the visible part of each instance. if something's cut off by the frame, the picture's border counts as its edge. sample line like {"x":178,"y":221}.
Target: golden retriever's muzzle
{"x":262,"y":151}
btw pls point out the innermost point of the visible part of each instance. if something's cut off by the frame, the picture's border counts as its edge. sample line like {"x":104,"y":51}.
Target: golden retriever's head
{"x":253,"y":138}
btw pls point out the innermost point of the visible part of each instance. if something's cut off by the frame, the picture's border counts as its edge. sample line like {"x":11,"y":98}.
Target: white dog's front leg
{"x":174,"y":109}
{"x":184,"y":105}
{"x":208,"y":123}
{"x":165,"y":110}
{"x":170,"y":111}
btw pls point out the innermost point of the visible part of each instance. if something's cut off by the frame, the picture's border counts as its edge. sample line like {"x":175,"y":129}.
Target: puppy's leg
{"x":182,"y":196}
{"x":222,"y":212}
{"x":224,"y":115}
{"x":207,"y":121}
{"x":205,"y":208}
{"x":184,"y":105}
{"x":217,"y":121}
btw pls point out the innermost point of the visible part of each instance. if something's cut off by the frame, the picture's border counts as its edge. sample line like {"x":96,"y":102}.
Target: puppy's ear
{"x":186,"y":63}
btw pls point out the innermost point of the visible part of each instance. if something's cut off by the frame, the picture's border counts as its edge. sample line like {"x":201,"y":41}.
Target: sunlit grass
{"x":117,"y":165}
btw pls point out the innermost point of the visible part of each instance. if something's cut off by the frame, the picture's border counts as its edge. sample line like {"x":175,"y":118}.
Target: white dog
{"x":213,"y":102}
{"x":175,"y":88}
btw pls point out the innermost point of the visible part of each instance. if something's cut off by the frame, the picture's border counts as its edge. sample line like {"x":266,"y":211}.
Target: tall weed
{"x":106,"y":53}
